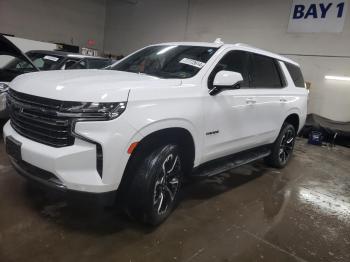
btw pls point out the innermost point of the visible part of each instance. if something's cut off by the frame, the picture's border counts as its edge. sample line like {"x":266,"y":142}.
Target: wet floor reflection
{"x":300,"y":213}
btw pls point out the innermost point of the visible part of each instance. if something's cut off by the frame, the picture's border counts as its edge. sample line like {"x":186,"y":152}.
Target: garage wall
{"x":121,"y":26}
{"x":68,"y":21}
{"x":131,"y":24}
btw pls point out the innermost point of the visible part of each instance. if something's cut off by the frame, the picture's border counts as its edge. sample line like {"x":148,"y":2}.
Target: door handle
{"x":250,"y":100}
{"x":283,"y":100}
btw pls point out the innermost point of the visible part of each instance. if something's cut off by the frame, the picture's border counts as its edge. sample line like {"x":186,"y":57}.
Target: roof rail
{"x":246,"y":45}
{"x":253,"y":47}
{"x":268,"y":52}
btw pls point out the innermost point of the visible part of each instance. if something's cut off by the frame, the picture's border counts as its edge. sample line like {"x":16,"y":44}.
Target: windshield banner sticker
{"x":52,"y":58}
{"x":192,"y":62}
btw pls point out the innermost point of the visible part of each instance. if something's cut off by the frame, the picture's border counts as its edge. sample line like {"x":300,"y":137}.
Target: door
{"x":267,"y":86}
{"x":230,"y":116}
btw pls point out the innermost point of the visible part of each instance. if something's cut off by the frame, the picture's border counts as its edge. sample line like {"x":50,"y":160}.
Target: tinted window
{"x":78,"y":65}
{"x":296,"y":75}
{"x":236,"y":61}
{"x":69,"y":63}
{"x":167,"y":61}
{"x":98,"y":63}
{"x":265,"y":72}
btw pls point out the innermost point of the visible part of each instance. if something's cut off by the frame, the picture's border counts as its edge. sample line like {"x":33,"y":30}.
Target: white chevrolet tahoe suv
{"x":134,"y":131}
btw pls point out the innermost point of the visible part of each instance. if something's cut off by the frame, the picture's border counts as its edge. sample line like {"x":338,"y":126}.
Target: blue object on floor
{"x":315,"y":138}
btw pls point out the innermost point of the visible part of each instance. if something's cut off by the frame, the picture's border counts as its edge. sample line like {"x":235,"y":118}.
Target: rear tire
{"x":154,"y":191}
{"x":283,"y":147}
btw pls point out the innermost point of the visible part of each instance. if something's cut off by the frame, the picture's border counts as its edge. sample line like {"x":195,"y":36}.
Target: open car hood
{"x":8,"y":48}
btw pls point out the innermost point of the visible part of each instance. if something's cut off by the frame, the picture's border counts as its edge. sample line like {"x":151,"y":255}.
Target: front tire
{"x":154,"y":191}
{"x":283,"y":147}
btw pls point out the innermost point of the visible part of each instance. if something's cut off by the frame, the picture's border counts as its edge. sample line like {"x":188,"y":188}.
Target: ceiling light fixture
{"x":340,"y":78}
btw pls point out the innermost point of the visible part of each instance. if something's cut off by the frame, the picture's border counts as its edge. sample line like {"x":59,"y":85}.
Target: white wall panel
{"x":68,"y":21}
{"x":121,"y":26}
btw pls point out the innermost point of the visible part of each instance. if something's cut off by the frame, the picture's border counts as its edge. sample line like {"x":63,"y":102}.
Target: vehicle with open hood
{"x":13,"y":62}
{"x":8,"y":54}
{"x":46,"y":60}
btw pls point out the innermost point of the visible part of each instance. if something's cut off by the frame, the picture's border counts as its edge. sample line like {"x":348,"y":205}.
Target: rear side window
{"x":265,"y":72}
{"x":296,"y":75}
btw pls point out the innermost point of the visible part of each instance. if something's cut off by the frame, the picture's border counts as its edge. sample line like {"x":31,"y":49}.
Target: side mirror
{"x":226,"y":80}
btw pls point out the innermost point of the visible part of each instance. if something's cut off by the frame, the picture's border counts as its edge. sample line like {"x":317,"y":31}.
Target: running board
{"x":222,"y":165}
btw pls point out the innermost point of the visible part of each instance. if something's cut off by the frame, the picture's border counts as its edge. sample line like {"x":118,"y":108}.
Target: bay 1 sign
{"x":314,"y":16}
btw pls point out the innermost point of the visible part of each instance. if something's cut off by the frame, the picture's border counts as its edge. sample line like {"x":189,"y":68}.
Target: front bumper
{"x":49,"y":181}
{"x":74,"y":168}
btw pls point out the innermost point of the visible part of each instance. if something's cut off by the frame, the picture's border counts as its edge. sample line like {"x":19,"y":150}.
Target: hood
{"x":8,"y":48}
{"x":86,"y":85}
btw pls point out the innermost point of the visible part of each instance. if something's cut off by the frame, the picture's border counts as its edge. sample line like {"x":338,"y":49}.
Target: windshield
{"x":90,"y":63}
{"x":167,"y":61}
{"x":15,"y":64}
{"x":40,"y":60}
{"x":45,"y":61}
{"x":7,"y":73}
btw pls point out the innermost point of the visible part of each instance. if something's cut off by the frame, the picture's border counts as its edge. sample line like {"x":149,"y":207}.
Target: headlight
{"x":3,"y":88}
{"x":91,"y":110}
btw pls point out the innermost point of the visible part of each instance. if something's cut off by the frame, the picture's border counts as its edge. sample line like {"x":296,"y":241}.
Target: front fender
{"x":154,"y":126}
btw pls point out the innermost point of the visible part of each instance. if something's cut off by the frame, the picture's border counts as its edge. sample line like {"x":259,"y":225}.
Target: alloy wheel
{"x":167,"y":184}
{"x":286,"y":146}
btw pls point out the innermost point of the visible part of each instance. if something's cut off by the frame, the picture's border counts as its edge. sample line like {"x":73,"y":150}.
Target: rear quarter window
{"x":296,"y":75}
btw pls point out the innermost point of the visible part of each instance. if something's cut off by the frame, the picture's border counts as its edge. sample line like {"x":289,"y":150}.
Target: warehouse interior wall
{"x":122,"y":26}
{"x":131,"y":24}
{"x":60,"y":21}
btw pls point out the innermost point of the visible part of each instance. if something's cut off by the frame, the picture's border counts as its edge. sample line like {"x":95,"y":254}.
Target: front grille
{"x":38,"y":119}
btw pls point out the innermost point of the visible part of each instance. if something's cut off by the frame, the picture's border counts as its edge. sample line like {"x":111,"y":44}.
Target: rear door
{"x":267,"y":85}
